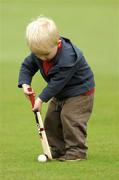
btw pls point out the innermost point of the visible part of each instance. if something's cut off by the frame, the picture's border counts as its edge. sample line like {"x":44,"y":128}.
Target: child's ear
{"x":59,"y":43}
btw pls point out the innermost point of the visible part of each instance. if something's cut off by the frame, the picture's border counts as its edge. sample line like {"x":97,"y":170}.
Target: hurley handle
{"x":31,"y":97}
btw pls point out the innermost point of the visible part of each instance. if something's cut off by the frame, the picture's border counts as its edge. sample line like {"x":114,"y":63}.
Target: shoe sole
{"x":70,"y":160}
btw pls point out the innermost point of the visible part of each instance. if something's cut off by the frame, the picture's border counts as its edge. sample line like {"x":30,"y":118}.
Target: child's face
{"x":47,"y":55}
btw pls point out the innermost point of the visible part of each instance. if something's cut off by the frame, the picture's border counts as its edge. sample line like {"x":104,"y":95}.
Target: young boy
{"x":70,"y":88}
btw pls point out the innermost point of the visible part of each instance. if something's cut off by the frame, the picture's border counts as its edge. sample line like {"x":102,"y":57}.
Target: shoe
{"x":70,"y":157}
{"x":56,"y":154}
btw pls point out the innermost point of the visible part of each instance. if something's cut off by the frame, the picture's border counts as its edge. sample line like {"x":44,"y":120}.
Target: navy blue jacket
{"x":70,"y":75}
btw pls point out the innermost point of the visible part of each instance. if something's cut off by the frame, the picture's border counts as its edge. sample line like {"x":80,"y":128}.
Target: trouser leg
{"x":75,"y":115}
{"x":53,"y":127}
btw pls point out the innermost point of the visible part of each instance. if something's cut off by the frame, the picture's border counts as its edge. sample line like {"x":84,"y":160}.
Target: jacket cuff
{"x":25,"y":82}
{"x":43,"y":98}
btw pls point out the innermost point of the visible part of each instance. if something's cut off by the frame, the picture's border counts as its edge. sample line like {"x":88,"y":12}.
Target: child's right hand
{"x":26,"y":91}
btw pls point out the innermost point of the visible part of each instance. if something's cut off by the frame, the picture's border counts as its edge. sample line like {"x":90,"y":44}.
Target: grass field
{"x":94,"y":27}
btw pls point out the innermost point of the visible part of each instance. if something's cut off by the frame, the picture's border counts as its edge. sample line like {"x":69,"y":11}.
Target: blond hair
{"x":42,"y":34}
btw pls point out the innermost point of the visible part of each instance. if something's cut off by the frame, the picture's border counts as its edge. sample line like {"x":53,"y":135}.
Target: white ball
{"x":42,"y":158}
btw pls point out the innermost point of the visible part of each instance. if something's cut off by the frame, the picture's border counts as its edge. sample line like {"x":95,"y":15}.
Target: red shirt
{"x":47,"y":65}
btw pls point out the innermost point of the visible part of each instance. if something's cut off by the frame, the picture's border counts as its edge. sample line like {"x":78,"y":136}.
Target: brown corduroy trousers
{"x":66,"y":124}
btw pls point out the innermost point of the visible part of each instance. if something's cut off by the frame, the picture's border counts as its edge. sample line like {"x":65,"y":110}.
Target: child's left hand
{"x":37,"y":105}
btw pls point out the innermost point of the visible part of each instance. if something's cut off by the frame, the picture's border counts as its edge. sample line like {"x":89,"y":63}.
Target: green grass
{"x":94,"y":27}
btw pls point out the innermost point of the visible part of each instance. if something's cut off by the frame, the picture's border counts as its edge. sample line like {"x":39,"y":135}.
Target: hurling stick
{"x":41,"y":130}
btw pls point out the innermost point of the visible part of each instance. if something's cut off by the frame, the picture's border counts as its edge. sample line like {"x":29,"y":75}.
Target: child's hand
{"x":38,"y":101}
{"x":26,"y":91}
{"x":37,"y":105}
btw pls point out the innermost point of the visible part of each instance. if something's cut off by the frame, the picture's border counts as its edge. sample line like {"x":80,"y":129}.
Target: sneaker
{"x":70,"y":157}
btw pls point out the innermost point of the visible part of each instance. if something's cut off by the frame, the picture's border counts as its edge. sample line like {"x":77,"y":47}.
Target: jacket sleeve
{"x":57,"y":83}
{"x":27,"y":71}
